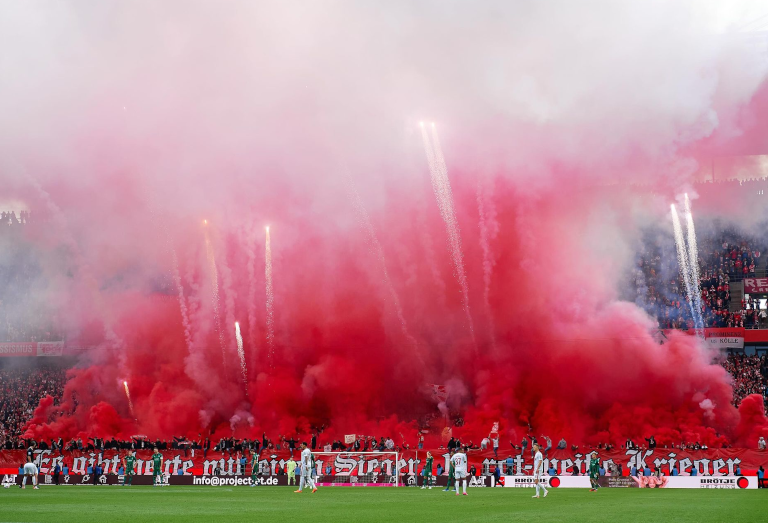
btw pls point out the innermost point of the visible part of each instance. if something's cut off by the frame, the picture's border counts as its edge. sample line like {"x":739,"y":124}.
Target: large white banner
{"x":724,"y":338}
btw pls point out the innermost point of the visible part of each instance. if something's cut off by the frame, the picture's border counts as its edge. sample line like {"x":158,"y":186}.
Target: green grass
{"x":280,"y":505}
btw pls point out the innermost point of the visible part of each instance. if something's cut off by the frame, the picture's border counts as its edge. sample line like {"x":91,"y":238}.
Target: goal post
{"x":358,"y":469}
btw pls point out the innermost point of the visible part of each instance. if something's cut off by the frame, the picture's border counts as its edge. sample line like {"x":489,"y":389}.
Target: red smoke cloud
{"x":570,"y":360}
{"x":137,"y":138}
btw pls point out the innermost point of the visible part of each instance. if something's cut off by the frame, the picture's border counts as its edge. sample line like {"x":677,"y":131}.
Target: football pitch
{"x":280,"y":505}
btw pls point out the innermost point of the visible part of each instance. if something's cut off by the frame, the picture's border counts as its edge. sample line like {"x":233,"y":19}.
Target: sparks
{"x":693,"y":264}
{"x":441,"y":186}
{"x":241,"y":354}
{"x":682,"y":260}
{"x":128,"y":395}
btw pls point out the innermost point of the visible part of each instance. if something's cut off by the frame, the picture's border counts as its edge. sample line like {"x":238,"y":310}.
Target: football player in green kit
{"x":254,"y":468}
{"x":157,"y":468}
{"x":129,"y":462}
{"x":451,"y":475}
{"x":594,"y":472}
{"x":428,"y":472}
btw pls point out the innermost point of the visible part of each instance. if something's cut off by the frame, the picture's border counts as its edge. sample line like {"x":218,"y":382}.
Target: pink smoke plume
{"x":185,"y":104}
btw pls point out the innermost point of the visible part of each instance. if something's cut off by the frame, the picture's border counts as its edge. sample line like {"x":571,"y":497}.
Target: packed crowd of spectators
{"x":725,"y":256}
{"x":750,"y":376}
{"x":21,"y":390}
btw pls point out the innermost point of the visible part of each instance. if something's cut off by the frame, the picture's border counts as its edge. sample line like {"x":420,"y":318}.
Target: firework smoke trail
{"x":375,"y":245}
{"x":128,"y":395}
{"x":182,"y":300}
{"x":241,"y":354}
{"x":215,"y":287}
{"x":270,"y":296}
{"x":229,"y":296}
{"x":682,"y":258}
{"x":489,"y":228}
{"x":693,"y":264}
{"x":442,"y":188}
{"x":250,"y":246}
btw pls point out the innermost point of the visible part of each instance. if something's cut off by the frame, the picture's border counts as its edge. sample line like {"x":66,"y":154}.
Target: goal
{"x":357,"y":469}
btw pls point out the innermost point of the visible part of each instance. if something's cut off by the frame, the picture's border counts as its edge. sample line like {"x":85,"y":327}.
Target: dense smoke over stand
{"x":249,"y":115}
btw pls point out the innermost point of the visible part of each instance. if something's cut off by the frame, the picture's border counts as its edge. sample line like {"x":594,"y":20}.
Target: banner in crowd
{"x":732,"y":338}
{"x":32,"y":349}
{"x":755,"y":285}
{"x":725,"y":338}
{"x":712,"y":462}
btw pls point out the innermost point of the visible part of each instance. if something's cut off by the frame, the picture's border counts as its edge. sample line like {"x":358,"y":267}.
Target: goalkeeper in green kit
{"x":451,"y":474}
{"x":594,"y":472}
{"x":428,"y":472}
{"x":157,"y":468}
{"x":254,"y":468}
{"x":129,"y":462}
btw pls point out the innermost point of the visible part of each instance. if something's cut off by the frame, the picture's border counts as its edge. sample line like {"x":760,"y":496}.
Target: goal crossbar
{"x":360,"y":469}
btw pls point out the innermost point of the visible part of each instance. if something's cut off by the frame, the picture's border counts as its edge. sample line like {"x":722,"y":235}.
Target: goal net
{"x":357,"y":469}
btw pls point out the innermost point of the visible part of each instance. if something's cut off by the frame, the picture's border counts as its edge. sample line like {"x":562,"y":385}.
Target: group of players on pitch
{"x":457,"y":470}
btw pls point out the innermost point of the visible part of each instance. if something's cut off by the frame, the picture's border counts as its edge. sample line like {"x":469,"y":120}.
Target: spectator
{"x":562,"y":445}
{"x":761,"y":443}
{"x":547,"y":444}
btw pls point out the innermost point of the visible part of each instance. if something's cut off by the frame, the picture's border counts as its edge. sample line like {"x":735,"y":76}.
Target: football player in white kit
{"x":30,"y":469}
{"x":306,"y":469}
{"x":459,"y":461}
{"x":538,"y":471}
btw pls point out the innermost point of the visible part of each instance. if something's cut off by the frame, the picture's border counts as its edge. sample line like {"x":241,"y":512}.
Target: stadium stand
{"x":725,"y":257}
{"x":750,"y":375}
{"x":21,"y":389}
